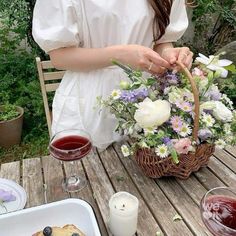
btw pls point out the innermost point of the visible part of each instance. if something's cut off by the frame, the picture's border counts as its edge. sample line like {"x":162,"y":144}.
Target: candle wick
{"x":123,"y":205}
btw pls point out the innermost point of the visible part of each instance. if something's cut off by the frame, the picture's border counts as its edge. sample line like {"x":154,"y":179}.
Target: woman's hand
{"x":143,"y":58}
{"x":181,"y":54}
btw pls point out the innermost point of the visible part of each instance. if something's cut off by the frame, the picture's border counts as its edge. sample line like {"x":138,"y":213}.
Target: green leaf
{"x":120,"y":178}
{"x":174,"y":156}
{"x":150,"y":81}
{"x":231,"y":68}
{"x":210,"y":75}
{"x":177,"y":217}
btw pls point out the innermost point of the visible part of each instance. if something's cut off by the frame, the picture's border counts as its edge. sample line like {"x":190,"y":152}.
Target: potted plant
{"x":11,"y":120}
{"x":174,"y":120}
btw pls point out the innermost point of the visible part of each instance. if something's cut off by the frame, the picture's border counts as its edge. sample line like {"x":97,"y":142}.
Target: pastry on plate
{"x":67,"y":230}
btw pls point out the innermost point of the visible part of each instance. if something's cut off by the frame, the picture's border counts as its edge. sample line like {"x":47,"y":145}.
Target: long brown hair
{"x":162,"y":10}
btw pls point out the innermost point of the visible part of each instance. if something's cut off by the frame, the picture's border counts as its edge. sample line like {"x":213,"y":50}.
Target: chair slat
{"x":51,"y":87}
{"x":46,"y":64}
{"x":53,"y":75}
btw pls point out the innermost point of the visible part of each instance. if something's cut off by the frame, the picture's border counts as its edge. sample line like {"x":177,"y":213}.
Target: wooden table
{"x":108,"y":172}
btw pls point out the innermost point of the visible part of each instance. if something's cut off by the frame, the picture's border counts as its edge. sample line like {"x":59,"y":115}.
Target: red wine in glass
{"x":218,"y":211}
{"x":69,"y":146}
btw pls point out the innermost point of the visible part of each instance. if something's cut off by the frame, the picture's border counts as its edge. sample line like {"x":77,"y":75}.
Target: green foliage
{"x":215,"y":25}
{"x":8,"y":112}
{"x":19,"y":81}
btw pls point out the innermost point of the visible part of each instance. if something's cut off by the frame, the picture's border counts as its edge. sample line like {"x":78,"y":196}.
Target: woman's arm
{"x":86,"y":59}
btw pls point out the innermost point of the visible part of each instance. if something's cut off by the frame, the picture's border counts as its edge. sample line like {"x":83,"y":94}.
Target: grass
{"x":35,"y":148}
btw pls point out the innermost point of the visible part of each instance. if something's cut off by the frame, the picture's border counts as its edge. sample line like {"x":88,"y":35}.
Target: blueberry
{"x":47,"y":231}
{"x":75,"y":234}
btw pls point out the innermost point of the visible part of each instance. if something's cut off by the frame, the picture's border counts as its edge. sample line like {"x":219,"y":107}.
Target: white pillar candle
{"x":123,"y":214}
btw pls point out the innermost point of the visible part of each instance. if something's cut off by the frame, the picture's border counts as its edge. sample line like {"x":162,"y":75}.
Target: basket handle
{"x":196,"y":98}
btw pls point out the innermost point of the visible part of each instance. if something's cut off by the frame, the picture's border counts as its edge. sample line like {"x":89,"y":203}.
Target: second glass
{"x":218,"y":211}
{"x":71,"y":145}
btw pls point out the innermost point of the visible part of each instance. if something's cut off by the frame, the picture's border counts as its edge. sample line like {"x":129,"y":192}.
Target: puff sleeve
{"x":178,"y":23}
{"x":55,"y":24}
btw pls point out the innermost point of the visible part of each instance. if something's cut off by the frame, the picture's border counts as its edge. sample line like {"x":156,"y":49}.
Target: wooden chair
{"x":49,"y":79}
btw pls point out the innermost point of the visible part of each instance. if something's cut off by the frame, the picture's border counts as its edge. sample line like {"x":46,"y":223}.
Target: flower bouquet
{"x":175,"y":120}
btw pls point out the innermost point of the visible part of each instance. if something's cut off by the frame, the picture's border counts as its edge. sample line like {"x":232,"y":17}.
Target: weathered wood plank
{"x":100,"y":183}
{"x":11,"y":171}
{"x":184,"y":205}
{"x":231,"y":150}
{"x":53,"y":176}
{"x":157,"y":202}
{"x":226,"y":158}
{"x":208,"y":179}
{"x":86,"y":193}
{"x":117,"y":172}
{"x":33,"y":181}
{"x":193,"y":184}
{"x":222,"y":172}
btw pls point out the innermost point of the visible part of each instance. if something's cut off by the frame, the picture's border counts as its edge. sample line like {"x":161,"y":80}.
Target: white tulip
{"x":213,"y":63}
{"x":151,"y":114}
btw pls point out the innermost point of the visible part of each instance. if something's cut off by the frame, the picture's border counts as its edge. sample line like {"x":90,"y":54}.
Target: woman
{"x":83,"y":36}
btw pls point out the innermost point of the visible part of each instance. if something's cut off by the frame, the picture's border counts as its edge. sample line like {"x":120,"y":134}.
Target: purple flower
{"x":133,"y":96}
{"x":184,"y":106}
{"x":6,"y":196}
{"x":204,"y":134}
{"x":141,"y":93}
{"x":166,"y":140}
{"x":213,"y":93}
{"x":172,"y":79}
{"x":127,"y":96}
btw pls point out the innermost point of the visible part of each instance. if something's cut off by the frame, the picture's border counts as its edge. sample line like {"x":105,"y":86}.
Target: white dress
{"x":96,"y":24}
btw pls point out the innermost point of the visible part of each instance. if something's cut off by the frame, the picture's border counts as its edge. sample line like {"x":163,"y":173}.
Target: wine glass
{"x":218,"y":211}
{"x":70,"y":145}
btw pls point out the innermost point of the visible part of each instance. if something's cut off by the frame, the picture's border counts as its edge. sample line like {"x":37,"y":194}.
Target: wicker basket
{"x":155,"y":167}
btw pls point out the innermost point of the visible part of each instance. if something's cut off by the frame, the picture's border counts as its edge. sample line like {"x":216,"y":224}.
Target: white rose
{"x":151,"y":114}
{"x":221,"y":112}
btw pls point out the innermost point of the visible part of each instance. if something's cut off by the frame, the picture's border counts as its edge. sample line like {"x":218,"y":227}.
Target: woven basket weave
{"x":155,"y":167}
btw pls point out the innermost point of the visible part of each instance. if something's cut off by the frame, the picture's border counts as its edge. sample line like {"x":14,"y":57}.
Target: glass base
{"x":74,"y":184}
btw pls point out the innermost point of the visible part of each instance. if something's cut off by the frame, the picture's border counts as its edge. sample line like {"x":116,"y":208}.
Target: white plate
{"x":70,"y":211}
{"x":18,"y":191}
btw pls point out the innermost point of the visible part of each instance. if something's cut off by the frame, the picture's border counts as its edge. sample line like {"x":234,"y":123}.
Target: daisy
{"x":220,"y":143}
{"x":208,"y":120}
{"x":185,"y":130}
{"x":116,"y":94}
{"x":125,"y":150}
{"x":175,"y":119}
{"x":162,"y":151}
{"x":177,"y":126}
{"x":185,"y":106}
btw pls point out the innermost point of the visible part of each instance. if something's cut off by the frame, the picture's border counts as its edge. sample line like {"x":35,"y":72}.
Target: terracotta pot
{"x":10,"y":130}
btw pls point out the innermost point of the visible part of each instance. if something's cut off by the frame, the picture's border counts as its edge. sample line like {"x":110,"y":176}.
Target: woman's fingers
{"x":158,"y":60}
{"x":183,"y":54}
{"x":189,"y":60}
{"x":157,"y":70}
